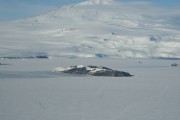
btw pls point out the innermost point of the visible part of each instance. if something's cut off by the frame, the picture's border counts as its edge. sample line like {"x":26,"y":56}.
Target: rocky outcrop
{"x":175,"y":65}
{"x":93,"y":70}
{"x":3,"y":64}
{"x":29,"y":57}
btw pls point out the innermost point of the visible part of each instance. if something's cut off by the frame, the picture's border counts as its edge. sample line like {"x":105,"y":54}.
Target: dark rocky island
{"x":92,"y":70}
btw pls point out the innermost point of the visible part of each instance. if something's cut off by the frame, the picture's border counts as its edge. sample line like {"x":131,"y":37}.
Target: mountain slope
{"x":96,"y":28}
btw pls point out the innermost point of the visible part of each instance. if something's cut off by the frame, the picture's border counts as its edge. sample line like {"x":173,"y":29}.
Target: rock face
{"x":3,"y":64}
{"x":93,"y":70}
{"x":29,"y":57}
{"x":175,"y":65}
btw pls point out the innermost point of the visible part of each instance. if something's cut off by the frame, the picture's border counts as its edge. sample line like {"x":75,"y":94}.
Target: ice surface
{"x":153,"y":94}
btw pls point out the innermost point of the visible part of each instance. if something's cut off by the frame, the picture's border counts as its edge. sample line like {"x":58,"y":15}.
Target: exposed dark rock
{"x":154,"y":38}
{"x":93,"y":70}
{"x":29,"y":57}
{"x":3,"y":64}
{"x":41,"y":56}
{"x":174,"y":65}
{"x":99,"y":55}
{"x":168,"y":58}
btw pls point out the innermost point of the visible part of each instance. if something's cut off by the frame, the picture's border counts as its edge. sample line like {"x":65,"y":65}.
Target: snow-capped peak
{"x":100,"y":1}
{"x":97,"y":2}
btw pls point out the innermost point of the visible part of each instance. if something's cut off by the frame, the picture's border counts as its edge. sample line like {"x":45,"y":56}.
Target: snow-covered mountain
{"x":96,"y":28}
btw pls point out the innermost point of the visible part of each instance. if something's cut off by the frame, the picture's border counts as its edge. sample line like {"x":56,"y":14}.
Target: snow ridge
{"x":97,"y":2}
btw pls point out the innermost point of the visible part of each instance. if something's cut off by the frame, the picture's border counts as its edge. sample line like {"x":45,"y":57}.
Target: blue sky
{"x":164,"y":3}
{"x":19,"y":9}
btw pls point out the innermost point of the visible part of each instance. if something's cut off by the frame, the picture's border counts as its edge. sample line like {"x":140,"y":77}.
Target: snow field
{"x":153,"y":94}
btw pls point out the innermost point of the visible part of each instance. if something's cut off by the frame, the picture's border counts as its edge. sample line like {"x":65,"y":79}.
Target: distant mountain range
{"x":95,"y":28}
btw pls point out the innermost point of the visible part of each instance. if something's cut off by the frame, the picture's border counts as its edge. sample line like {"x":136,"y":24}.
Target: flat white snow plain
{"x":29,"y":90}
